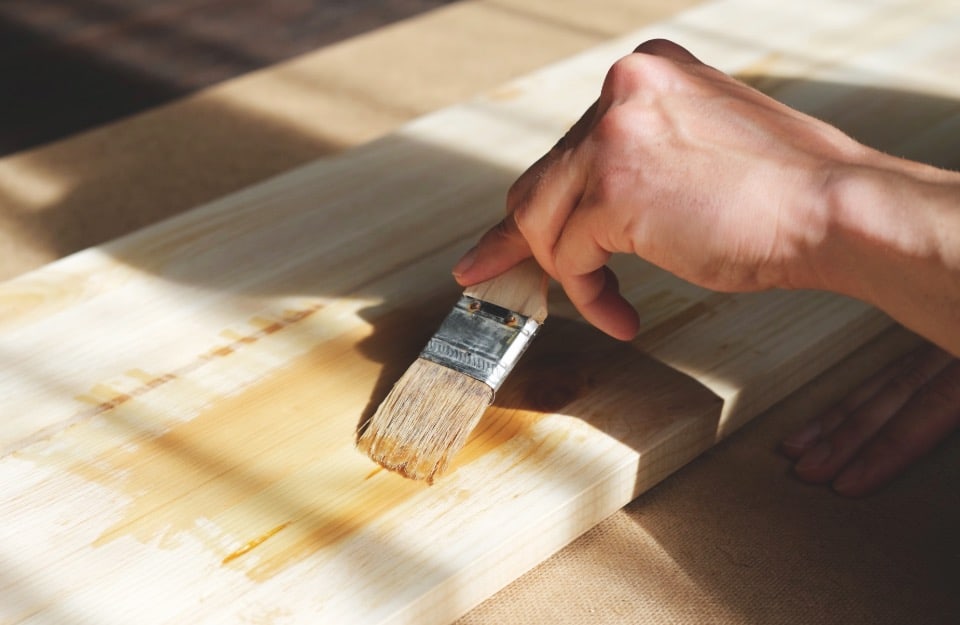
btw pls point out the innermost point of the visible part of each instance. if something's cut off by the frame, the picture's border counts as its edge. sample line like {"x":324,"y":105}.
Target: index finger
{"x":499,"y":249}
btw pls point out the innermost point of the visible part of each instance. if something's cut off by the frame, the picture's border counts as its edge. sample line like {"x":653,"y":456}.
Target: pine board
{"x":180,"y":404}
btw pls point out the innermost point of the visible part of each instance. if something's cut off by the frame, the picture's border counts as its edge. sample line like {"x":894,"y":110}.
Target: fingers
{"x":542,"y":212}
{"x":534,"y":221}
{"x":576,"y":260}
{"x":597,"y":296}
{"x":931,"y":415}
{"x":541,"y":222}
{"x":819,"y":428}
{"x":580,"y":265}
{"x":886,"y":424}
{"x":834,"y":450}
{"x":539,"y":204}
{"x":499,"y":249}
{"x":565,"y":245}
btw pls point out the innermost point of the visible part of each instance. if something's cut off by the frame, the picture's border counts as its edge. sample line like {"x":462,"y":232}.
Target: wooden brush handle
{"x":522,"y":289}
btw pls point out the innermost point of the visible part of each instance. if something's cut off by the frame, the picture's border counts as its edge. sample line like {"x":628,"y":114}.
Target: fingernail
{"x":851,"y":477}
{"x":815,"y":457}
{"x":466,"y":261}
{"x":805,"y":436}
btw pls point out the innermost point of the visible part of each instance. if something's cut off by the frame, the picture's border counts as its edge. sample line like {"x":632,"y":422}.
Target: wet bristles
{"x":425,"y":420}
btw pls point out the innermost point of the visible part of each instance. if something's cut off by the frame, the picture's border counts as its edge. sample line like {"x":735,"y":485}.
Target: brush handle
{"x":522,"y":289}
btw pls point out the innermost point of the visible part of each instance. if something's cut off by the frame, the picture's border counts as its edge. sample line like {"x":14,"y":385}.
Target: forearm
{"x":893,"y":239}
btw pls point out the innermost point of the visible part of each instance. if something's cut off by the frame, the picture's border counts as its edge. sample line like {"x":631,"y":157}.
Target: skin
{"x":781,"y":200}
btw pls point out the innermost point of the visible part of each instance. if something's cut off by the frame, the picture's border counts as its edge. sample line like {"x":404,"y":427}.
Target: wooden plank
{"x":178,"y":429}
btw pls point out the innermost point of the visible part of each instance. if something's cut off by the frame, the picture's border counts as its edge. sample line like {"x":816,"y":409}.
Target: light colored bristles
{"x":424,"y":420}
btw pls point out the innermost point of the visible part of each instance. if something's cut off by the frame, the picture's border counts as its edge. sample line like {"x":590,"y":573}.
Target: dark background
{"x":69,"y":65}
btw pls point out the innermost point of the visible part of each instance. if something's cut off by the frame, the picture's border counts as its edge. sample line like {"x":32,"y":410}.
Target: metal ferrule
{"x":481,"y":340}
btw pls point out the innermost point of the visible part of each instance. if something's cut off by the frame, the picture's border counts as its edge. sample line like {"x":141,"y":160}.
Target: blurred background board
{"x":113,"y":59}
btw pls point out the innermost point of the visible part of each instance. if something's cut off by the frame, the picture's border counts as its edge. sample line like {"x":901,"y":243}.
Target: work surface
{"x":178,"y":428}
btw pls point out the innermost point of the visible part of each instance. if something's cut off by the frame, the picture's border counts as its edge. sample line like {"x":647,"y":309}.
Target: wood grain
{"x":178,"y":429}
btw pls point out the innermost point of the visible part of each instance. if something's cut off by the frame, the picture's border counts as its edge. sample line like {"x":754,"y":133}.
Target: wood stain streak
{"x":280,"y":448}
{"x":253,"y":544}
{"x":103,"y":399}
{"x":98,"y":393}
{"x":150,"y":382}
{"x":275,"y":461}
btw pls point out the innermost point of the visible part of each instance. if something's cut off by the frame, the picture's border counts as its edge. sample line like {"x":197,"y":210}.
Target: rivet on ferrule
{"x":481,"y":340}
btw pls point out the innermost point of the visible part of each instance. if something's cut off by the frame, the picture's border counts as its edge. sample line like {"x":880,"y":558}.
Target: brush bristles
{"x":425,"y":420}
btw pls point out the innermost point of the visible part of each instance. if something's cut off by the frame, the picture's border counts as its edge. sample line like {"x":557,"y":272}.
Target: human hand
{"x":723,"y":186}
{"x":885,"y":425}
{"x":682,"y":165}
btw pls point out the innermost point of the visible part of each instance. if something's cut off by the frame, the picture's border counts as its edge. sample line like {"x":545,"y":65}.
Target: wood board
{"x":177,"y":429}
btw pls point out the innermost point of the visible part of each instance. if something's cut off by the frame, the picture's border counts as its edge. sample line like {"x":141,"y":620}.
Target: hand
{"x":680,"y":164}
{"x":882,"y":427}
{"x":723,"y":186}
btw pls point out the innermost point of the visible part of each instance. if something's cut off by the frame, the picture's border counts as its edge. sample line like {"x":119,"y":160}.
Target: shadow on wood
{"x":570,"y":369}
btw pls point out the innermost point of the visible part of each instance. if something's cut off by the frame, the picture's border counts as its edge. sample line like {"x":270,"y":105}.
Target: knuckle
{"x":630,"y":128}
{"x":658,"y":47}
{"x":641,"y":73}
{"x":624,"y":76}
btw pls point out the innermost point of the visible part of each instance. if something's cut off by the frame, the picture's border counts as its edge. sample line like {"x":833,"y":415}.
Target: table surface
{"x":732,"y":538}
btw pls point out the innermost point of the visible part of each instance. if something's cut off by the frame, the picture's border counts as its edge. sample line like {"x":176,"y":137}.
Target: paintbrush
{"x":431,"y":410}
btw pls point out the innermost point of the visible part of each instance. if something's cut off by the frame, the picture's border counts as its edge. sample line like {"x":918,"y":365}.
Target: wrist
{"x":891,"y":237}
{"x":832,"y":217}
{"x":866,"y":230}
